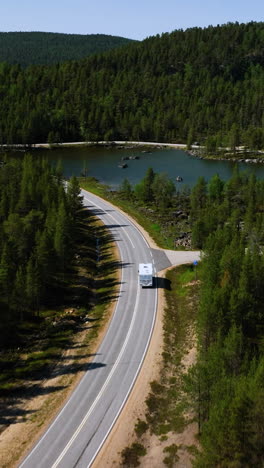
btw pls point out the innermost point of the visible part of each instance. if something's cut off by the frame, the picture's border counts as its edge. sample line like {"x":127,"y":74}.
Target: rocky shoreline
{"x":245,"y":156}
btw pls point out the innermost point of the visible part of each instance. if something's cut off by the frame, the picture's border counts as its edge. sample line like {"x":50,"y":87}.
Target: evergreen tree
{"x":19,"y":301}
{"x":163,"y":190}
{"x":126,"y":189}
{"x":34,"y":288}
{"x":144,"y":190}
{"x":74,"y":197}
{"x":61,"y":244}
{"x":198,"y":197}
{"x":215,"y":189}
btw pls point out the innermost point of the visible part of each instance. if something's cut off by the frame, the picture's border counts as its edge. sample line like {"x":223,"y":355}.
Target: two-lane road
{"x":80,"y":429}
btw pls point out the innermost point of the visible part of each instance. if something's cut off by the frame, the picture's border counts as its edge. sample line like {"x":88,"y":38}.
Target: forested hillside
{"x":181,"y":87}
{"x":42,"y":48}
{"x":226,"y":385}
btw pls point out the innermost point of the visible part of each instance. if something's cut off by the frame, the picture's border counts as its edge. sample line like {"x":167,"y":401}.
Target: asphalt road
{"x":78,"y":432}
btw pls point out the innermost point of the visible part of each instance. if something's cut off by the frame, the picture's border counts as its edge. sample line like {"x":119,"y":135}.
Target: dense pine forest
{"x":42,"y":48}
{"x":194,"y":85}
{"x":226,"y":384}
{"x":38,"y":232}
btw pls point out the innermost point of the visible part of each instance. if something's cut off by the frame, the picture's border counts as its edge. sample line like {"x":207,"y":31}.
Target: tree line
{"x":38,"y":232}
{"x":154,"y":188}
{"x":45,"y":48}
{"x":201,"y":85}
{"x":225,"y":386}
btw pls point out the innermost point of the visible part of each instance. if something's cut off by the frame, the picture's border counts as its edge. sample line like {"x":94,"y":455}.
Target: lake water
{"x":102,"y":163}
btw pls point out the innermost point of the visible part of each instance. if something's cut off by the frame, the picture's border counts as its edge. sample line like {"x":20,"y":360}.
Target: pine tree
{"x":74,"y":197}
{"x":144,"y":190}
{"x":6,"y":274}
{"x":33,"y":285}
{"x":126,"y":189}
{"x":198,"y":197}
{"x":19,"y":302}
{"x":163,"y":190}
{"x":61,"y":239}
{"x":215,"y":189}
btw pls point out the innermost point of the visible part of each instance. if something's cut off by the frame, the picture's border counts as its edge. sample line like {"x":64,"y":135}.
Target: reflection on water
{"x":103,"y":162}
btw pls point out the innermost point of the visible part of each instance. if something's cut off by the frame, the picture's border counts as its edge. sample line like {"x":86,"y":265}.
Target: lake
{"x":102,"y":163}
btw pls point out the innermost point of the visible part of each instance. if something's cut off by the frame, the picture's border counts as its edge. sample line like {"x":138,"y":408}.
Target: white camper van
{"x":145,"y":271}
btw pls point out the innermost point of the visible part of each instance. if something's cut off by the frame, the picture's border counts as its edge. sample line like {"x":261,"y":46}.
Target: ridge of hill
{"x":45,"y":48}
{"x":202,"y":85}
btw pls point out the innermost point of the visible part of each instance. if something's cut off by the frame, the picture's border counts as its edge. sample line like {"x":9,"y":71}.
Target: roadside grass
{"x":166,"y":403}
{"x":185,"y":278}
{"x":82,"y":304}
{"x":163,"y":235}
{"x":94,"y":186}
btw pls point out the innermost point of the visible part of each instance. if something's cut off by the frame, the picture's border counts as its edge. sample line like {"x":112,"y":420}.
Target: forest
{"x":198,"y":85}
{"x":38,"y":233}
{"x":225,"y":388}
{"x":43,"y":48}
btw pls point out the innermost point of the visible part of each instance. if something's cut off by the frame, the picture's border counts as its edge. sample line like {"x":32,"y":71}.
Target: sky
{"x":134,"y":19}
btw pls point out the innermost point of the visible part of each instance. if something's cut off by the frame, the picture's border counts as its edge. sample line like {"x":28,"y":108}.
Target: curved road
{"x":80,"y":429}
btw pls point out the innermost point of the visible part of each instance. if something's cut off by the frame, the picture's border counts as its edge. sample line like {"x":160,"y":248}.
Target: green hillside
{"x":41,"y":48}
{"x":204,"y":85}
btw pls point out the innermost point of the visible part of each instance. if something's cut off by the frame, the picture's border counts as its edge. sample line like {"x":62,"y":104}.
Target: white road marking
{"x":124,"y":232}
{"x":109,"y":376}
{"x":76,"y":433}
{"x":132,"y":383}
{"x":111,"y":216}
{"x":68,"y":402}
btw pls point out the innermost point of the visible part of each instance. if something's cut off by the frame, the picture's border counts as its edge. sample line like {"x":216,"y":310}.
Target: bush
{"x":130,"y":455}
{"x":141,"y":427}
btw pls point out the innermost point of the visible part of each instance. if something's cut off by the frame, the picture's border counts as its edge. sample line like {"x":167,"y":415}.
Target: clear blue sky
{"x":135,"y":19}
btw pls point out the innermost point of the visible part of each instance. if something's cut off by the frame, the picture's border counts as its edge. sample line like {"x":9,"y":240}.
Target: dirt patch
{"x":184,"y":440}
{"x":192,"y":283}
{"x":155,"y":448}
